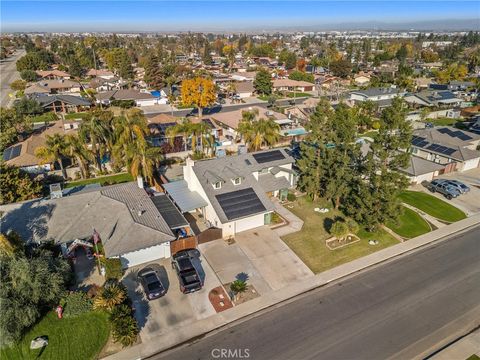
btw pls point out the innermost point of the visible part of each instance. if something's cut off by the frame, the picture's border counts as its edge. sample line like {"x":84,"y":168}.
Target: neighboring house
{"x":292,"y":85}
{"x":381,"y":96}
{"x":361,"y":79}
{"x":63,"y":103}
{"x":22,"y":154}
{"x":243,"y":76}
{"x":229,"y":120}
{"x":132,"y":225}
{"x":104,"y":74}
{"x":423,"y":83}
{"x":448,"y":146}
{"x":100,"y":84}
{"x":433,"y":98}
{"x":141,"y":98}
{"x":456,"y":85}
{"x":419,"y":170}
{"x":53,"y":74}
{"x":55,"y":87}
{"x":232,"y":193}
{"x":244,"y":89}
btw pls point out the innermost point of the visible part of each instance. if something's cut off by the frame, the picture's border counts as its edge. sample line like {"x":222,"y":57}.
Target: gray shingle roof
{"x":112,"y":211}
{"x":226,"y":168}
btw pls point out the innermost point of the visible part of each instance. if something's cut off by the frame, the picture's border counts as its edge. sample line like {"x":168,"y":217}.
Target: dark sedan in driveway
{"x":151,"y":283}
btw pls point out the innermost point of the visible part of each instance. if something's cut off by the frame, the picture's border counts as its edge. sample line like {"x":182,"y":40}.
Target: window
{"x":217,"y":185}
{"x":237,"y":181}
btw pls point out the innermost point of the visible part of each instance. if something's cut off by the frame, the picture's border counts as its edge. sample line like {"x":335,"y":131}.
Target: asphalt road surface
{"x":8,"y":73}
{"x":397,"y":310}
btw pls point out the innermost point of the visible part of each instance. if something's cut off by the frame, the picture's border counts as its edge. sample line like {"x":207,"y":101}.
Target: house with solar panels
{"x":454,"y":149}
{"x":234,"y":193}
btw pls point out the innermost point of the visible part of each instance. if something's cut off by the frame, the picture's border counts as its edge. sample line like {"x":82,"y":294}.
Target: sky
{"x":223,"y":15}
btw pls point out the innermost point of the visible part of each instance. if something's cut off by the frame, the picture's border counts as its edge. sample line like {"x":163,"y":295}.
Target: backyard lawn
{"x":432,"y":206}
{"x":79,"y":115}
{"x":309,"y":243}
{"x":409,"y":225}
{"x":81,"y":337}
{"x":103,"y":180}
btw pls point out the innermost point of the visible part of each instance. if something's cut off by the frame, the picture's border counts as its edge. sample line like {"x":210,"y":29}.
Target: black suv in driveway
{"x":151,"y":283}
{"x":186,"y":272}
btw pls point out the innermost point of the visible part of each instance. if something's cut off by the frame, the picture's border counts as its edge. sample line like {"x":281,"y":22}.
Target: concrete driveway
{"x":470,"y":202}
{"x":175,"y":309}
{"x":259,"y":253}
{"x":277,"y":263}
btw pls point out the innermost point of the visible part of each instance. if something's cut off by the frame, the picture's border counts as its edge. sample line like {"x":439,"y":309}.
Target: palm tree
{"x":53,"y":151}
{"x":111,"y":295}
{"x":258,"y":133}
{"x":183,"y":128}
{"x":76,"y":149}
{"x":142,"y":160}
{"x":96,"y":131}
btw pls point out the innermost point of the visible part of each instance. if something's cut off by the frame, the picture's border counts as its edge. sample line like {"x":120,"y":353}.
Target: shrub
{"x":291,"y":197}
{"x":352,"y":225}
{"x":125,"y":330}
{"x":339,"y":229}
{"x":111,"y":295}
{"x":77,"y":303}
{"x":113,"y":268}
{"x":238,"y":286}
{"x":120,"y":311}
{"x":124,"y":104}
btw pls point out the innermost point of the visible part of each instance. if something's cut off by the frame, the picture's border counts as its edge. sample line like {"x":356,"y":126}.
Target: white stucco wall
{"x":470,"y":164}
{"x":146,"y":255}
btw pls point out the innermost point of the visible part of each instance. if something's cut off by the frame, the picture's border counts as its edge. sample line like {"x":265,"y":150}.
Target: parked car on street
{"x":459,"y":186}
{"x":443,"y":187}
{"x":151,"y":283}
{"x":186,"y":272}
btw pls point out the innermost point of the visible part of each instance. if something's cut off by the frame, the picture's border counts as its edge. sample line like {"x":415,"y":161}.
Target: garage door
{"x":249,"y":223}
{"x":146,"y":255}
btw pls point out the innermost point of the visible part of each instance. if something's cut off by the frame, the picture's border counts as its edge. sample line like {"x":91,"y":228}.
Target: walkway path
{"x":433,"y":220}
{"x":294,"y":223}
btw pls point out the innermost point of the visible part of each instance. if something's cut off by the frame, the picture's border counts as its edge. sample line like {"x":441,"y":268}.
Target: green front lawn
{"x":444,"y":121}
{"x":409,"y":225}
{"x":81,"y":337}
{"x":298,"y":95}
{"x":432,"y":206}
{"x":79,"y":115}
{"x":309,"y":243}
{"x":103,"y":180}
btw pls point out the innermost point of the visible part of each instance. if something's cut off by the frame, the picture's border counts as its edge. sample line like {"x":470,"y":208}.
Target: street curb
{"x":182,"y":335}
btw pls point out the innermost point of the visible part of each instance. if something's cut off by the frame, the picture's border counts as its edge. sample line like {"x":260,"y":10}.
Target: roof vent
{"x":140,"y":212}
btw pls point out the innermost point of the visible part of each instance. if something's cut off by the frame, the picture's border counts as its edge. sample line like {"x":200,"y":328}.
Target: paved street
{"x":8,"y":73}
{"x":396,"y":310}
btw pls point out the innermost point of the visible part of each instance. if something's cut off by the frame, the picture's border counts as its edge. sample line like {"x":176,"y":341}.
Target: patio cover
{"x":185,"y":199}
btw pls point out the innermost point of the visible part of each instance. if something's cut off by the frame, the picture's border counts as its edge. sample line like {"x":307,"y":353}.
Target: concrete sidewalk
{"x":185,"y":333}
{"x":462,"y":349}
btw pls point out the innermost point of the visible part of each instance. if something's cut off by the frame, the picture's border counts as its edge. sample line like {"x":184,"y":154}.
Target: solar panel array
{"x":458,"y":134}
{"x":169,"y":212}
{"x":441,"y":149}
{"x":268,"y":156}
{"x":240,"y":203}
{"x":12,"y":152}
{"x":418,"y":141}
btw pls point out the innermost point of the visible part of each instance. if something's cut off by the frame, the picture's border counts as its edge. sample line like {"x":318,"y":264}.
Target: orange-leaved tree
{"x":198,"y":92}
